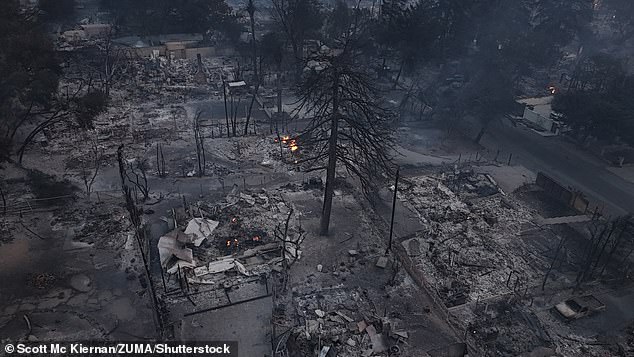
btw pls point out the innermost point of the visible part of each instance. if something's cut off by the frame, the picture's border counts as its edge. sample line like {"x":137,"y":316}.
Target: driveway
{"x":564,"y":162}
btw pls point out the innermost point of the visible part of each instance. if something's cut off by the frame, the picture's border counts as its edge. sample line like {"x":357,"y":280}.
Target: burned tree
{"x":273,"y":51}
{"x":30,"y":72}
{"x":235,"y":88}
{"x":200,"y":146}
{"x":250,"y":110}
{"x":160,"y":161}
{"x":63,"y":105}
{"x":608,"y":239}
{"x":290,"y":246}
{"x":140,"y":234}
{"x":487,"y":97}
{"x":113,"y":60}
{"x":134,"y":173}
{"x":234,"y":115}
{"x":4,"y":201}
{"x":348,"y":125}
{"x":137,"y":174}
{"x":90,"y":167}
{"x":298,"y":19}
{"x":254,"y":54}
{"x":76,"y":99}
{"x":254,"y":45}
{"x":224,"y":96}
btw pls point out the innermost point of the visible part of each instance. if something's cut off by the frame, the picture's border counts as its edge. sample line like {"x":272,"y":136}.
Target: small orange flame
{"x":552,"y":89}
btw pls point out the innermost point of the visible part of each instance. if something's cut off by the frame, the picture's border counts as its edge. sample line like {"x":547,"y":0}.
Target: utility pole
{"x":552,"y":264}
{"x":389,"y":245}
{"x":224,"y":94}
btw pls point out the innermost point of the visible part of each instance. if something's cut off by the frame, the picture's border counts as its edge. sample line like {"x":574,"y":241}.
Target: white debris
{"x":180,"y":264}
{"x":247,"y":198}
{"x":200,"y":271}
{"x":169,"y":246}
{"x":199,"y":280}
{"x":201,"y":228}
{"x":221,"y":265}
{"x":378,"y":344}
{"x":241,"y":268}
{"x":293,"y":253}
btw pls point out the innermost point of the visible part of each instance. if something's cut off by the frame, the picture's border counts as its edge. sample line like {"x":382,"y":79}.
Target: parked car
{"x":579,"y":307}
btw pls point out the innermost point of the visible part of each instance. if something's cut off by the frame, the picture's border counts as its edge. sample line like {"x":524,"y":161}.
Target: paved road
{"x":564,"y":162}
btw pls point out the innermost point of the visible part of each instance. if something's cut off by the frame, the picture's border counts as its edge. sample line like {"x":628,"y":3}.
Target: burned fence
{"x":567,"y":195}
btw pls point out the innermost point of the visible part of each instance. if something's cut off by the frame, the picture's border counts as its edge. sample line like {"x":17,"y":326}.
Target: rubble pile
{"x":570,"y":340}
{"x":503,"y":327}
{"x":257,"y":150}
{"x":100,"y":225}
{"x":261,"y":152}
{"x":343,"y":320}
{"x":470,"y":246}
{"x":238,"y":239}
{"x":160,"y":77}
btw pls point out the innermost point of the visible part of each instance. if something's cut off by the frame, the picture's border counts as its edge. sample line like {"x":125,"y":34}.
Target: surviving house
{"x":87,"y":32}
{"x":175,"y":46}
{"x":538,"y":113}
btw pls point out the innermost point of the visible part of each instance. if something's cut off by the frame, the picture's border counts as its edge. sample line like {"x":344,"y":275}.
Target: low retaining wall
{"x":574,"y":199}
{"x":419,"y":277}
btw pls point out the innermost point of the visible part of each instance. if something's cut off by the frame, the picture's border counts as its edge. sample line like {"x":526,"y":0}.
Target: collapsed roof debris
{"x":470,"y":244}
{"x":200,"y":228}
{"x":173,"y":245}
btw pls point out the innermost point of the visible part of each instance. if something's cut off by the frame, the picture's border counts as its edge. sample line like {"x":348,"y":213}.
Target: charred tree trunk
{"x":279,"y":89}
{"x":4,"y":202}
{"x":160,"y":160}
{"x":279,"y":97}
{"x":246,"y":124}
{"x":552,"y":264}
{"x":398,"y":75}
{"x":332,"y":160}
{"x":299,"y":58}
{"x":254,"y":55}
{"x":593,"y":245}
{"x":481,"y":133}
{"x":224,"y":95}
{"x":20,"y":122}
{"x":605,"y":243}
{"x":139,"y":234}
{"x":200,"y":146}
{"x":234,"y":118}
{"x":55,"y":118}
{"x":251,"y":11}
